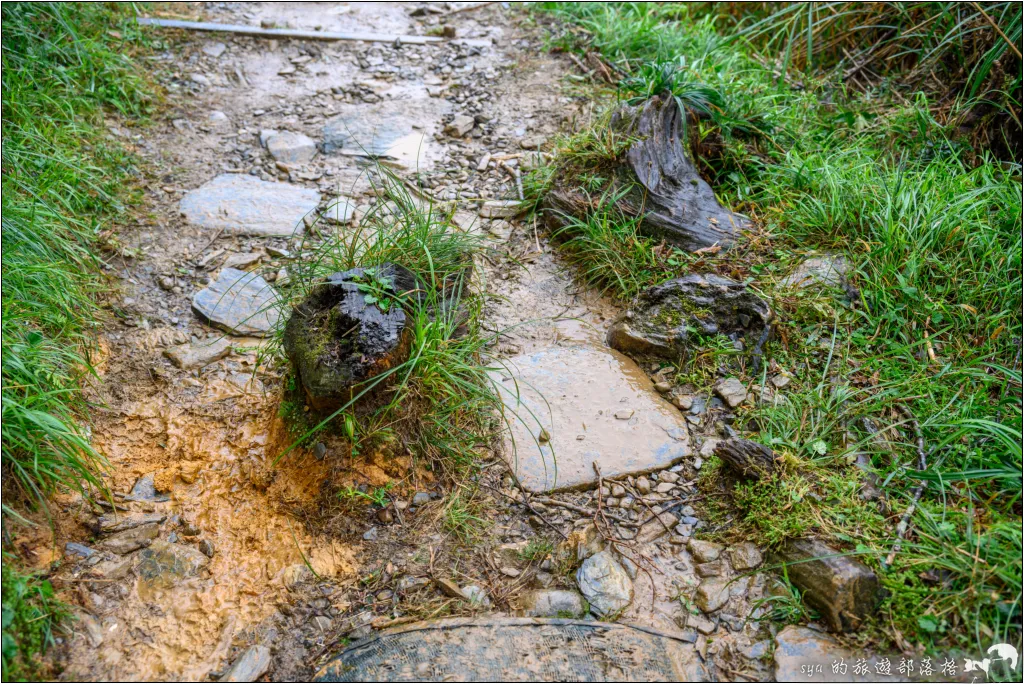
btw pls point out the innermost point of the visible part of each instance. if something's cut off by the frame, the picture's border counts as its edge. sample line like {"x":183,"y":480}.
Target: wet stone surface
{"x":240,"y":204}
{"x":238,"y":302}
{"x":563,"y":406}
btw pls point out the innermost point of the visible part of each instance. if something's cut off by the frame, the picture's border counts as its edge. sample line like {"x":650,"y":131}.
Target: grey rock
{"x":757,"y":650}
{"x":745,"y":556}
{"x":239,"y":303}
{"x":715,"y":568}
{"x":555,"y":603}
{"x":282,"y":279}
{"x":250,"y":666}
{"x":502,"y":209}
{"x":588,"y":381}
{"x":841,"y":588}
{"x":371,"y":534}
{"x":420,"y":498}
{"x":242,"y":260}
{"x":144,"y":489}
{"x":643,"y":485}
{"x":266,"y":134}
{"x":199,"y":354}
{"x":704,"y":551}
{"x":207,"y":548}
{"x":460,"y":125}
{"x":240,"y":204}
{"x":341,"y":210}
{"x":291,"y":148}
{"x":476,"y":595}
{"x":605,"y":584}
{"x":701,"y":624}
{"x":828,"y":271}
{"x":80,"y":550}
{"x":732,"y":391}
{"x":118,"y":522}
{"x":712,"y":594}
{"x":683,"y":402}
{"x":799,"y":650}
{"x":660,"y":320}
{"x":410,"y":583}
{"x":163,"y":564}
{"x":115,"y":569}
{"x":214,"y":49}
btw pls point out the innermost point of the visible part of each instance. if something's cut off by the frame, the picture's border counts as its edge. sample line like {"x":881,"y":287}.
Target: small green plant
{"x":377,"y":289}
{"x":378,"y":496}
{"x":30,"y":615}
{"x":536,"y":549}
{"x":461,"y":515}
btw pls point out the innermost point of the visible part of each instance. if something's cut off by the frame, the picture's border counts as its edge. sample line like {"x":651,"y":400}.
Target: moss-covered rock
{"x":663,"y":318}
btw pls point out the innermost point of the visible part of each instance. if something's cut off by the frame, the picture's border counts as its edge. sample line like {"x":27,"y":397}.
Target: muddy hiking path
{"x":210,"y":548}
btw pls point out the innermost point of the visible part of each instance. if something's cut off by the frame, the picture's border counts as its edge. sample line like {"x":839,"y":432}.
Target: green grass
{"x":441,"y":401}
{"x":30,"y":615}
{"x":65,"y":67}
{"x":63,"y":177}
{"x":932,"y":227}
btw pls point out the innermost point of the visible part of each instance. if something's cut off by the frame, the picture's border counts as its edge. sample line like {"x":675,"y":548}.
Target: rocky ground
{"x":209,"y":557}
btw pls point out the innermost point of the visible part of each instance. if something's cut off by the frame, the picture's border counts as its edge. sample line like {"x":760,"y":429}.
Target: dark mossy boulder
{"x":350,"y":329}
{"x":663,"y":318}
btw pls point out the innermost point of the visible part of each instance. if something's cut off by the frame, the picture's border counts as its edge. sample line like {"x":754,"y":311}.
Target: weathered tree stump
{"x":842,"y":588}
{"x":675,"y":203}
{"x":350,"y":329}
{"x":746,"y":458}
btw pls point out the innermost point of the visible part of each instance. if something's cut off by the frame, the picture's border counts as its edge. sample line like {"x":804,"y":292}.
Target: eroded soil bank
{"x":226,"y":550}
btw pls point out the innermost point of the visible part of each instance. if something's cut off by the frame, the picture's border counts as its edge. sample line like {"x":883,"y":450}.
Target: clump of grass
{"x":966,"y":55}
{"x":930,"y":329}
{"x":64,"y":65}
{"x":441,"y":400}
{"x":461,"y":515}
{"x":30,"y":615}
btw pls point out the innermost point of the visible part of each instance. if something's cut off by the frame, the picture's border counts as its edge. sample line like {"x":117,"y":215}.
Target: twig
{"x":469,"y":8}
{"x":922,"y":464}
{"x":582,"y":67}
{"x":581,"y":509}
{"x":998,"y":30}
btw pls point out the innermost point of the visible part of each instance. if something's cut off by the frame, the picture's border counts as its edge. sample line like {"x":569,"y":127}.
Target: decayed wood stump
{"x":676,"y":204}
{"x":748,"y":459}
{"x":350,"y":329}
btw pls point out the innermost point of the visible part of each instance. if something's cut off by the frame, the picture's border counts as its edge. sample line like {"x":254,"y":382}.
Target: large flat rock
{"x":240,"y":303}
{"x":595,"y":405}
{"x":386,"y":131}
{"x":240,"y":204}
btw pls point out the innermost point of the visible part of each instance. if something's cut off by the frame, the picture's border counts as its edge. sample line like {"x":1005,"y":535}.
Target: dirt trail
{"x":209,"y":436}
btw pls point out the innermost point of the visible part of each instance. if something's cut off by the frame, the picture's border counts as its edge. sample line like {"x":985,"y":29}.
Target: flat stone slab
{"x":569,"y":407}
{"x":385,"y":131}
{"x":238,"y":302}
{"x":240,"y":204}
